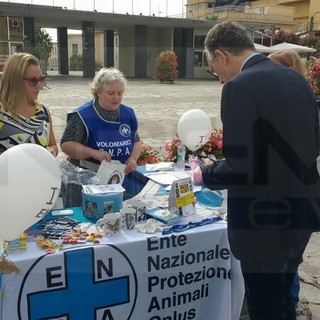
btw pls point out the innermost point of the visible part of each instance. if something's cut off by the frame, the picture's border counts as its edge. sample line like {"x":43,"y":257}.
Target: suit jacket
{"x":270,"y":144}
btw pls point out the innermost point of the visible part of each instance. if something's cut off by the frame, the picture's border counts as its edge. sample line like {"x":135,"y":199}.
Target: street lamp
{"x":312,"y":21}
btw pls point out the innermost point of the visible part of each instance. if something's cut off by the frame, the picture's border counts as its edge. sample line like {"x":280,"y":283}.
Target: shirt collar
{"x":245,"y":61}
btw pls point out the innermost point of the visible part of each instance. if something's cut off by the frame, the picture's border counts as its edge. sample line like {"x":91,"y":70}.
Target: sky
{"x":160,"y":8}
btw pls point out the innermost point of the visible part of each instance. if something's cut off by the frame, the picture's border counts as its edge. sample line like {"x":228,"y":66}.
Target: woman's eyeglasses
{"x":34,"y":81}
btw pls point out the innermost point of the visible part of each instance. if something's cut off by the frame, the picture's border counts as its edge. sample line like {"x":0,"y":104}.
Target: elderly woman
{"x":101,"y":129}
{"x":22,"y":118}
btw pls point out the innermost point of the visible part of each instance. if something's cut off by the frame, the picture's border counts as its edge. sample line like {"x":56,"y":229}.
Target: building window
{"x":75,"y":48}
{"x":199,"y":54}
{"x":200,"y":59}
{"x":199,"y":41}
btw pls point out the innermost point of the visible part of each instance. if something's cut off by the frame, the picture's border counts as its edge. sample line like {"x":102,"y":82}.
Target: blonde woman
{"x":22,"y":118}
{"x":289,"y":59}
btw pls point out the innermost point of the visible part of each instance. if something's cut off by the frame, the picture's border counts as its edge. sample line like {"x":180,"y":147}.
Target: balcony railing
{"x":238,"y":13}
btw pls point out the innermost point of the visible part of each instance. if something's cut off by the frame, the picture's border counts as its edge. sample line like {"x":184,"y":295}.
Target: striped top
{"x":20,"y":129}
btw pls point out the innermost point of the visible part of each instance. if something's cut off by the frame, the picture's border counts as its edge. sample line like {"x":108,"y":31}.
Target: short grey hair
{"x":104,"y":78}
{"x":229,"y":36}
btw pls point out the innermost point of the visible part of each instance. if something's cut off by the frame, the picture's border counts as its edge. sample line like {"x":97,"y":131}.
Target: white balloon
{"x":30,"y":185}
{"x":194,"y":129}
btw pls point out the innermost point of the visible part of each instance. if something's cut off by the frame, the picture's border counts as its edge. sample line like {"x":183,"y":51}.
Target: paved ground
{"x":159,"y":108}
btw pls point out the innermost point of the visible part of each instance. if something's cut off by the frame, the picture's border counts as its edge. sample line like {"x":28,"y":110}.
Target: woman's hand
{"x":79,"y":151}
{"x":131,"y":165}
{"x":53,"y":149}
{"x":101,"y":155}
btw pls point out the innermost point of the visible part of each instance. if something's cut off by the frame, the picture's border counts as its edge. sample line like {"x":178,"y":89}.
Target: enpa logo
{"x":125,"y":130}
{"x":96,"y":283}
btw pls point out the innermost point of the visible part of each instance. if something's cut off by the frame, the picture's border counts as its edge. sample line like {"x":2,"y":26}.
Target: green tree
{"x":98,"y":65}
{"x":43,"y":47}
{"x":76,"y":62}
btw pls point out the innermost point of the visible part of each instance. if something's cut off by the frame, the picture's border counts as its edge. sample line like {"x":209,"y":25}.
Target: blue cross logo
{"x":74,"y":301}
{"x":125,"y":130}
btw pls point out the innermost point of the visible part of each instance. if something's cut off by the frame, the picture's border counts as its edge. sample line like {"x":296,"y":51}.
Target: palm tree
{"x":43,"y":47}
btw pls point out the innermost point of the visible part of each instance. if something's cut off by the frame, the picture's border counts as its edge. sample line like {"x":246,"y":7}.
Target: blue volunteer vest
{"x":117,"y":138}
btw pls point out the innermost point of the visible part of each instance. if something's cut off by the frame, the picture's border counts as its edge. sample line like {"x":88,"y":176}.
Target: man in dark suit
{"x":270,"y":144}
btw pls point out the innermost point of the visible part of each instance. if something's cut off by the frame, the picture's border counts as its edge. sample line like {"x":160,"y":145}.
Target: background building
{"x":75,"y":48}
{"x":11,"y":37}
{"x":133,"y":42}
{"x":288,"y":15}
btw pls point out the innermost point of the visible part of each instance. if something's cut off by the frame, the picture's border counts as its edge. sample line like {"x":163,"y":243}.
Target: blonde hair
{"x":104,"y":78}
{"x":289,"y":59}
{"x":12,"y":94}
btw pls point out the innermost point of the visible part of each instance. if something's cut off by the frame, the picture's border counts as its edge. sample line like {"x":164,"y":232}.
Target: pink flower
{"x":148,"y":155}
{"x":213,"y":146}
{"x":313,"y":77}
{"x":219,"y":144}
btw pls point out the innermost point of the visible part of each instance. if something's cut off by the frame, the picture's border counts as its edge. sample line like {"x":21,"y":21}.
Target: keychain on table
{"x":7,"y":266}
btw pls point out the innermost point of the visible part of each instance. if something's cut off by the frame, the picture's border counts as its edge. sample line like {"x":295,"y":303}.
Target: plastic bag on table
{"x":73,"y":174}
{"x":196,"y":174}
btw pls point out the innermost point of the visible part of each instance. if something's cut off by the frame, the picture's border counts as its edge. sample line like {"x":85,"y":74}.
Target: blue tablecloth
{"x":137,"y":183}
{"x":131,"y":268}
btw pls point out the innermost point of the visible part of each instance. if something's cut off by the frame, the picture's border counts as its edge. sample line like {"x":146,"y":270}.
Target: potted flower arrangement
{"x":148,"y":155}
{"x":213,"y":146}
{"x":166,"y":67}
{"x":151,"y":155}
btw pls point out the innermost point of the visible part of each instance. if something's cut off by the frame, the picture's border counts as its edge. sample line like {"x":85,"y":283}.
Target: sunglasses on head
{"x":34,"y":81}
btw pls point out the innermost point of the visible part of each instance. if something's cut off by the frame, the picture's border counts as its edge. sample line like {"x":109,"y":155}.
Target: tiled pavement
{"x":158,"y":108}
